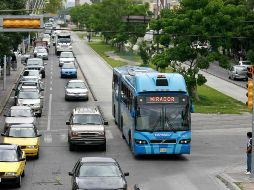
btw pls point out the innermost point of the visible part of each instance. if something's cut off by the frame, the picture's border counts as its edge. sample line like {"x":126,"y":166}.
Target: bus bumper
{"x":161,"y":149}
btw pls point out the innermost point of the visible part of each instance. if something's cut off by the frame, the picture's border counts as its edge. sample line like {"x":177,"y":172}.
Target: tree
{"x":10,"y":41}
{"x":189,"y":29}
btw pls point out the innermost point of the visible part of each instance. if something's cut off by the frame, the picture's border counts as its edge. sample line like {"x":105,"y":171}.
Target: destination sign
{"x":162,"y":99}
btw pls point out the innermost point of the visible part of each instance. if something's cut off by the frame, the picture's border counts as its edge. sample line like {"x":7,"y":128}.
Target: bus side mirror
{"x":192,"y":108}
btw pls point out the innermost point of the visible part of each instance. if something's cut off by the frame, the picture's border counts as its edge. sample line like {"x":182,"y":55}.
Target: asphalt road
{"x":218,"y":141}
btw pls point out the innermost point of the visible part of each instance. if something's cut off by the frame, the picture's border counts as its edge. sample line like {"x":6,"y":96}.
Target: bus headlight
{"x":184,"y":141}
{"x":138,"y":141}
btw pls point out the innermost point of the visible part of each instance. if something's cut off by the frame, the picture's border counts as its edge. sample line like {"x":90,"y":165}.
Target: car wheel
{"x":66,"y":98}
{"x":23,"y":174}
{"x":104,"y":147}
{"x":19,"y":182}
{"x":71,"y":147}
{"x":39,"y":114}
{"x":37,"y":156}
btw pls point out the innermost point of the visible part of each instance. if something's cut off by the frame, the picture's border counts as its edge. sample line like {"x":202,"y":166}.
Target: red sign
{"x":162,"y":99}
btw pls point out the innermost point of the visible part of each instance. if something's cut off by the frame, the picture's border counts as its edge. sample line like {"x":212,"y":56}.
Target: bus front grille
{"x":163,"y":141}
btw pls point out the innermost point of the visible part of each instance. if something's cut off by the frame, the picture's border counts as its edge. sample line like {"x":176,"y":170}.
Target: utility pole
{"x":4,"y":77}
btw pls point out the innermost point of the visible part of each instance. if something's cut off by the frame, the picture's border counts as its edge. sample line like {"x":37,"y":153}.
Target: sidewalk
{"x":236,"y":179}
{"x":10,"y":83}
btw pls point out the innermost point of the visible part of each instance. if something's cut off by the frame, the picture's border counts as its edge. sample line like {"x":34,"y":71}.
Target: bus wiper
{"x":170,"y":124}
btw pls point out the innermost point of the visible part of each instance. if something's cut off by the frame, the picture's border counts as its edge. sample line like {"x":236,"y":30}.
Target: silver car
{"x":66,"y":57}
{"x":86,"y":127}
{"x":238,"y":72}
{"x":42,"y":53}
{"x":31,"y":98}
{"x":76,"y":89}
{"x":19,"y":115}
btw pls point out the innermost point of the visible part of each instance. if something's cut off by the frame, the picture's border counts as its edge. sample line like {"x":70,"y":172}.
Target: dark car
{"x":98,"y":173}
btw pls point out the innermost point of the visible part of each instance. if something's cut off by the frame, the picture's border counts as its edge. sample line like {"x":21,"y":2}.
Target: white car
{"x":42,"y":53}
{"x":66,"y":57}
{"x":245,"y":63}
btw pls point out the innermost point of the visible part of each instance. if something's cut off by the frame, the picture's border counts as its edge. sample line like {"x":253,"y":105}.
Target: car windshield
{"x":21,"y":113}
{"x":32,"y":79}
{"x":21,"y":132}
{"x":68,"y":66}
{"x":28,"y":95}
{"x":99,"y":170}
{"x":64,"y":40}
{"x":8,"y":155}
{"x":66,"y":55}
{"x":159,"y":117}
{"x":31,"y":73}
{"x":42,"y":51}
{"x":76,"y":85}
{"x":87,"y":119}
{"x":35,"y":62}
{"x":246,"y":62}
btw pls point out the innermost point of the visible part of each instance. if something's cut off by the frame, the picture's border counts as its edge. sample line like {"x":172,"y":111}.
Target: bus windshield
{"x":161,"y":117}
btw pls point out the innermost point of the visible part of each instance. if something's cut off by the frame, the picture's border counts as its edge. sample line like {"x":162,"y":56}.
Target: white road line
{"x":51,"y":77}
{"x":50,"y":88}
{"x":49,"y":112}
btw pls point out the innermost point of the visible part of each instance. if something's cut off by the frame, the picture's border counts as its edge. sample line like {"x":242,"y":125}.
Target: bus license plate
{"x":163,"y":150}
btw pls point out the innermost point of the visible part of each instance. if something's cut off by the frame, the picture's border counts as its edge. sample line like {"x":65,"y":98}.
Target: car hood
{"x":100,"y":182}
{"x":14,"y":120}
{"x":91,"y":128}
{"x":21,"y":141}
{"x":76,"y":90}
{"x":70,"y":59}
{"x":9,"y":166}
{"x":28,"y":101}
{"x":38,"y":53}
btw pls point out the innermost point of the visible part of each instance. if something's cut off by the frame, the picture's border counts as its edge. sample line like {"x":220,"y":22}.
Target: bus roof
{"x":144,"y":79}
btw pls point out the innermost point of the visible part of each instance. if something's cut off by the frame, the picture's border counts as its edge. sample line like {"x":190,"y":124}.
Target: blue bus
{"x":152,"y":110}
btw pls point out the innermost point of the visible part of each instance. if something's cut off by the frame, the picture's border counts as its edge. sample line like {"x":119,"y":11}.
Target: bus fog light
{"x":138,"y":141}
{"x":185,"y":141}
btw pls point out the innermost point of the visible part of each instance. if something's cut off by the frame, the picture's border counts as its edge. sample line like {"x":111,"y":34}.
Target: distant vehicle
{"x":238,"y":72}
{"x":152,"y":110}
{"x":68,"y":70}
{"x":98,"y":173}
{"x":12,"y":164}
{"x":31,"y":98}
{"x":76,"y":89}
{"x":24,"y":135}
{"x":86,"y":127}
{"x":63,"y":42}
{"x":36,"y":49}
{"x":37,"y":62}
{"x":42,"y":53}
{"x":19,"y":115}
{"x":35,"y":73}
{"x":66,"y":57}
{"x":245,"y":63}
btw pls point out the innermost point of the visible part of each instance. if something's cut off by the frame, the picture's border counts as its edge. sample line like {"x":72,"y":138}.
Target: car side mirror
{"x":3,"y":134}
{"x":41,"y":97}
{"x":22,"y":159}
{"x":70,"y":173}
{"x":68,"y":122}
{"x":42,"y":89}
{"x":5,"y":115}
{"x":105,"y":123}
{"x":126,"y":174}
{"x":39,"y":135}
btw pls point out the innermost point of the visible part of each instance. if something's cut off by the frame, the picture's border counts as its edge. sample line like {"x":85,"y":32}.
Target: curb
{"x":228,"y":181}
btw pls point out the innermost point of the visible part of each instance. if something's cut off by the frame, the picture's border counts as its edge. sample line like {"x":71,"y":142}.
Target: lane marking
{"x":49,"y":112}
{"x":50,"y":88}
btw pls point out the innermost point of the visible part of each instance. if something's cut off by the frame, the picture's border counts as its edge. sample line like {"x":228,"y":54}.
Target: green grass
{"x":101,"y":48}
{"x":213,"y":101}
{"x":130,"y":56}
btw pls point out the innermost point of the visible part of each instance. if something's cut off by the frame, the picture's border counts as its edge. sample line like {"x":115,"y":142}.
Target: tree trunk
{"x":194,"y":93}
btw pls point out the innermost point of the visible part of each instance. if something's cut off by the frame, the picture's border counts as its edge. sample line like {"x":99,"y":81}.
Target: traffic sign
{"x":21,"y":23}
